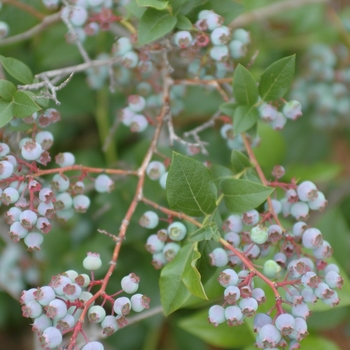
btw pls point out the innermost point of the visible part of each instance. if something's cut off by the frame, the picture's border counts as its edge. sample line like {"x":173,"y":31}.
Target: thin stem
{"x":25,"y":7}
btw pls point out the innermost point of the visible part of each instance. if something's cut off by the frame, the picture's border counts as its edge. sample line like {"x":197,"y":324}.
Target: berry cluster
{"x":298,"y":266}
{"x":60,"y":307}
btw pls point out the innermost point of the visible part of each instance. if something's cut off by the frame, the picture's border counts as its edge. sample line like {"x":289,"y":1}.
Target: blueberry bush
{"x":173,"y":174}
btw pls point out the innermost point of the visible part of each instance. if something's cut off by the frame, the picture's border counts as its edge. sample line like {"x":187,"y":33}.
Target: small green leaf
{"x":205,"y":233}
{"x":223,"y":336}
{"x":157,"y":4}
{"x":134,"y":9}
{"x":239,"y":161}
{"x":243,"y":195}
{"x":228,"y":108}
{"x":185,"y":6}
{"x":190,"y":187}
{"x":220,"y":173}
{"x":183,"y":23}
{"x":154,"y":24}
{"x":245,"y":89}
{"x":178,"y":278}
{"x":7,"y":89}
{"x":277,"y":78}
{"x":23,"y":106}
{"x":244,"y":118}
{"x":6,"y":113}
{"x":17,"y":69}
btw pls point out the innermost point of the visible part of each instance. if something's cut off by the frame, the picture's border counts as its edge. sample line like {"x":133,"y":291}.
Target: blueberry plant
{"x":192,"y":200}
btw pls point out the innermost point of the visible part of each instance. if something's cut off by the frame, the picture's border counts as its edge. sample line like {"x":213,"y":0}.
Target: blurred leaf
{"x":23,"y":105}
{"x":245,"y":89}
{"x":134,"y":8}
{"x":243,"y":195}
{"x":319,"y":343}
{"x":190,"y":188}
{"x":186,"y":6}
{"x":220,"y":173}
{"x":17,"y":69}
{"x":183,"y":23}
{"x":239,"y":161}
{"x":277,"y":78}
{"x":244,"y":118}
{"x":7,"y":89}
{"x":43,"y":102}
{"x":157,"y":4}
{"x":180,"y":278}
{"x":154,"y":24}
{"x":229,"y":9}
{"x":6,"y":112}
{"x":222,"y":336}
{"x":228,"y":108}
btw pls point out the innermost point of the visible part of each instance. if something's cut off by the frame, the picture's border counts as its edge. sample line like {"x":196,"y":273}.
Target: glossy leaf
{"x":244,"y":118}
{"x":6,"y":112}
{"x":154,"y":24}
{"x":190,"y":187}
{"x":277,"y":78}
{"x":7,"y":89}
{"x":243,"y":195}
{"x":179,"y":279}
{"x":157,"y":4}
{"x":239,"y":161}
{"x":23,"y":105}
{"x":17,"y":69}
{"x":245,"y":89}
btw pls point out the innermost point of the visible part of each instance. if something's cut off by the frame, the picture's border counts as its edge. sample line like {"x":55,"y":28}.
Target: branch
{"x":46,"y":22}
{"x":270,"y":11}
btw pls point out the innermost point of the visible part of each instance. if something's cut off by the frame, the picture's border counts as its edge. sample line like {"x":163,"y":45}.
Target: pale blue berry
{"x":312,"y":238}
{"x":250,"y":217}
{"x":232,"y":294}
{"x":233,"y":315}
{"x":63,"y":201}
{"x":81,"y":203}
{"x":259,"y":295}
{"x":237,"y":49}
{"x":213,"y":20}
{"x":241,"y":35}
{"x":158,"y":260}
{"x":4,"y":149}
{"x":92,"y":261}
{"x":170,"y":250}
{"x":31,"y":150}
{"x":149,"y":219}
{"x":226,"y":132}
{"x":248,"y":306}
{"x":138,"y":123}
{"x":219,"y":53}
{"x":218,"y":257}
{"x":58,"y":283}
{"x":216,"y":315}
{"x":269,"y":335}
{"x":65,"y":323}
{"x":65,"y":159}
{"x":139,"y":302}
{"x":285,"y":323}
{"x":109,"y":325}
{"x":233,"y":238}
{"x":44,"y":295}
{"x":177,"y":231}
{"x":9,"y":195}
{"x":261,"y":320}
{"x":17,"y":231}
{"x":301,"y":310}
{"x":319,"y":203}
{"x":93,"y":345}
{"x":220,"y":35}
{"x":103,"y":183}
{"x":182,"y":39}
{"x":4,"y":29}
{"x":300,"y":330}
{"x":122,"y":306}
{"x":96,"y":314}
{"x":228,"y":277}
{"x":28,"y":219}
{"x":307,"y":191}
{"x":45,"y":139}
{"x":325,"y":251}
{"x":292,"y":109}
{"x":136,"y":103}
{"x":51,"y":338}
{"x":130,"y":59}
{"x":60,"y":182}
{"x":155,"y":170}
{"x":56,"y":309}
{"x":41,"y":323}
{"x":299,"y":210}
{"x":333,"y":279}
{"x":233,"y":223}
{"x":122,"y":46}
{"x":162,"y":180}
{"x":154,"y":244}
{"x":82,"y":280}
{"x":33,"y":241}
{"x":12,"y":215}
{"x":130,"y":283}
{"x":6,"y":169}
{"x":72,"y":291}
{"x":32,"y":309}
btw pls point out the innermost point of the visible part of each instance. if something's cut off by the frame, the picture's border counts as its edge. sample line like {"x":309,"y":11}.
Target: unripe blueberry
{"x":65,"y":159}
{"x":138,"y":123}
{"x":271,"y":269}
{"x":333,"y":300}
{"x":233,"y":315}
{"x":334,"y":280}
{"x":252,"y":251}
{"x":319,"y":203}
{"x":58,"y":283}
{"x":219,"y":53}
{"x":46,"y":195}
{"x":241,"y":35}
{"x":56,"y":309}
{"x":65,"y":323}
{"x":28,"y":219}
{"x":269,"y":335}
{"x":63,"y":201}
{"x":182,"y":39}
{"x":232,"y":294}
{"x":250,"y":217}
{"x":139,"y":302}
{"x":82,"y":280}
{"x":159,"y":260}
{"x":216,"y":315}
{"x":233,"y":238}
{"x":17,"y":231}
{"x":85,"y":296}
{"x":228,"y":277}
{"x":96,"y":314}
{"x":301,"y":310}
{"x":81,"y":203}
{"x":31,"y":150}
{"x":310,"y":279}
{"x":122,"y":46}
{"x":103,"y":183}
{"x":78,"y":16}
{"x":307,"y":191}
{"x":309,"y":295}
{"x":300,"y":329}
{"x":33,"y":241}
{"x":177,"y":231}
{"x":149,"y":219}
{"x":331,"y":267}
{"x":60,"y":182}
{"x":299,"y":210}
{"x":218,"y":257}
{"x":78,"y":187}
{"x":220,"y":35}
{"x":170,"y":250}
{"x":4,"y":149}
{"x":6,"y":169}
{"x":45,"y":139}
{"x":4,"y":29}
{"x":267,"y":112}
{"x":47,"y":210}
{"x":227,"y":133}
{"x":154,"y":244}
{"x":32,"y":309}
{"x":72,"y":291}
{"x":92,"y":261}
{"x":292,"y":109}
{"x":213,"y":20}
{"x":325,"y":251}
{"x":93,"y":345}
{"x":248,"y":306}
{"x":237,"y":49}
{"x":51,"y":338}
{"x":126,"y":115}
{"x":274,"y":233}
{"x":12,"y":160}
{"x":9,"y":195}
{"x":259,"y":295}
{"x":233,"y":223}
{"x":44,"y":295}
{"x":41,"y":323}
{"x":122,"y":306}
{"x":155,"y":170}
{"x":312,"y":238}
{"x":285,"y":323}
{"x":130,"y":59}
{"x":12,"y":215}
{"x":130,"y":283}
{"x":109,"y":325}
{"x":323,"y":291}
{"x":259,"y":234}
{"x":136,"y":103}
{"x":280,"y":259}
{"x":162,"y":180}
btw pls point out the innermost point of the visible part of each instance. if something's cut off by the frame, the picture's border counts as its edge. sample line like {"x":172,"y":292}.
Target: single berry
{"x":51,"y":338}
{"x":271,"y":269}
{"x":139,"y":302}
{"x":182,"y":39}
{"x":103,"y":183}
{"x":177,"y":231}
{"x":130,"y":283}
{"x":149,"y":219}
{"x":218,"y":257}
{"x":96,"y":314}
{"x":233,"y":315}
{"x":216,"y":315}
{"x":155,"y":170}
{"x":122,"y":306}
{"x":170,"y":250}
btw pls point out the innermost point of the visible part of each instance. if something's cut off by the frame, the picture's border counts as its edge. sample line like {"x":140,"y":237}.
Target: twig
{"x":46,"y":22}
{"x":270,"y":11}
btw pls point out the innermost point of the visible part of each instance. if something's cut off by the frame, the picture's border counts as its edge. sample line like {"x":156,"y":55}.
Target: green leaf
{"x":239,"y":161}
{"x":223,"y":336}
{"x":17,"y":69}
{"x":220,"y":173}
{"x":228,"y":108}
{"x":134,"y":9}
{"x":244,"y":118}
{"x":43,"y":102}
{"x":186,"y":6}
{"x":7,"y":89}
{"x":277,"y":78}
{"x":227,"y":8}
{"x":205,"y":233}
{"x":243,"y":195}
{"x":157,"y":4}
{"x":245,"y":89}
{"x":23,"y":106}
{"x":154,"y":24}
{"x":6,"y":113}
{"x":183,"y":23}
{"x":190,"y":187}
{"x":180,"y":278}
